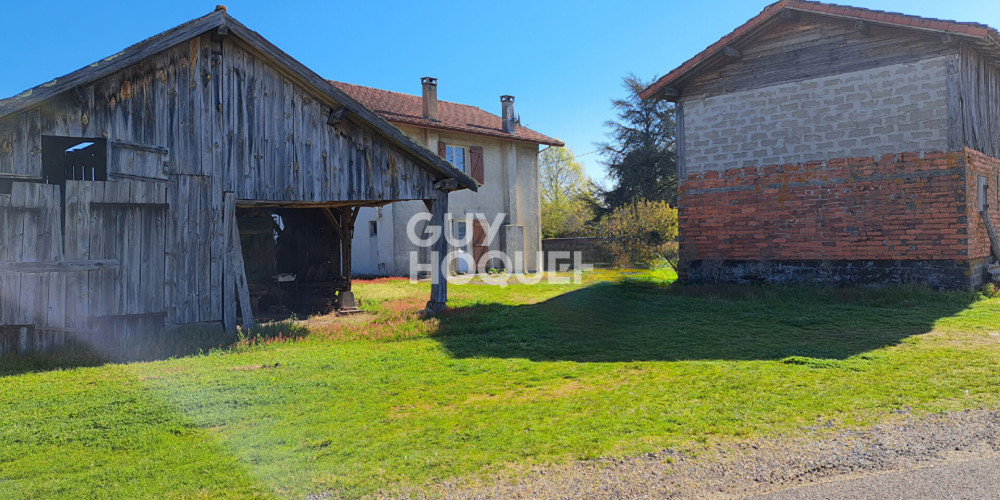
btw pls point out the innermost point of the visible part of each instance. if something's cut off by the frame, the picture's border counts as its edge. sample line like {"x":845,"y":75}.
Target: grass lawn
{"x":623,"y":364}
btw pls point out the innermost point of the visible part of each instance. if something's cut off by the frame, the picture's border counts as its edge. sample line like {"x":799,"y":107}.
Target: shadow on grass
{"x":169,"y":343}
{"x":639,"y":321}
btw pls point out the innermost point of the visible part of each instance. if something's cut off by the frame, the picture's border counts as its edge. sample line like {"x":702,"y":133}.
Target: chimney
{"x":507,"y":102}
{"x":430,"y":97}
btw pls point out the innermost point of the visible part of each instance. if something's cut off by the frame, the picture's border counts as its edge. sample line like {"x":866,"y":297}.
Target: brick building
{"x":836,"y":144}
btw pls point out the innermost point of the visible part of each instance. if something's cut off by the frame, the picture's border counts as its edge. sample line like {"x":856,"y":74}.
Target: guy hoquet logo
{"x":425,"y":235}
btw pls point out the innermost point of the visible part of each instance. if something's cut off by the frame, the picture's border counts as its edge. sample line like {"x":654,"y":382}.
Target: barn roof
{"x":408,"y":109}
{"x":220,"y":21}
{"x":985,"y":37}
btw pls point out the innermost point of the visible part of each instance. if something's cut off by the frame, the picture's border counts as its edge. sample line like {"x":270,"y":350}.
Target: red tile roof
{"x":406,"y":109}
{"x":975,"y":30}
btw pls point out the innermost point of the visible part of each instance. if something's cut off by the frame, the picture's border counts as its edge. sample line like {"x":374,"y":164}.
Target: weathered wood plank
{"x":991,"y":231}
{"x":240,"y":273}
{"x":229,"y":275}
{"x":61,"y":266}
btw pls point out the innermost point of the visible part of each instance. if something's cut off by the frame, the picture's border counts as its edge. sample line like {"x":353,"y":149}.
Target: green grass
{"x":625,"y":364}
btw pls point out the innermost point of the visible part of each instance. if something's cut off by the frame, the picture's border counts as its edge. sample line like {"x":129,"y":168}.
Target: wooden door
{"x":479,"y":245}
{"x":124,"y":221}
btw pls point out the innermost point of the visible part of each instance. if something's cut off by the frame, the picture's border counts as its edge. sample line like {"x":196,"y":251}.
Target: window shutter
{"x":476,"y":160}
{"x":442,"y":152}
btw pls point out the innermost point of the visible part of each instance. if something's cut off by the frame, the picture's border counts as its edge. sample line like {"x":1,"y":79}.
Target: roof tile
{"x":407,"y":109}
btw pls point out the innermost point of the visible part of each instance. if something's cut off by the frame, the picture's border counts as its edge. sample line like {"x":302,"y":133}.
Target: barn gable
{"x":792,"y":40}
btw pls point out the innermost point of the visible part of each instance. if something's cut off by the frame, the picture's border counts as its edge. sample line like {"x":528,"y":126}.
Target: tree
{"x":640,"y":233}
{"x":640,"y":155}
{"x":566,"y":193}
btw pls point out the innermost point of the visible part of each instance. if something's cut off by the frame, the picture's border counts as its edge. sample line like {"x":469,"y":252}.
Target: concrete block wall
{"x":874,"y":112}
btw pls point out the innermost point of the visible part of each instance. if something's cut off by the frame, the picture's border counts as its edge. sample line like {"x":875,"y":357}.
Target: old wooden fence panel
{"x":90,"y":267}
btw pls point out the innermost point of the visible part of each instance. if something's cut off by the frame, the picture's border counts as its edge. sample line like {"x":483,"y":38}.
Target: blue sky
{"x":563,"y":60}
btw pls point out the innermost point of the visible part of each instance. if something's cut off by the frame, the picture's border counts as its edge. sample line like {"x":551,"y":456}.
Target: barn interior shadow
{"x":615,"y":322}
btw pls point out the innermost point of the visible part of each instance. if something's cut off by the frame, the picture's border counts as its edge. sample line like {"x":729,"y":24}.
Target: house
{"x":197,"y":176}
{"x":495,"y":150}
{"x":836,"y":144}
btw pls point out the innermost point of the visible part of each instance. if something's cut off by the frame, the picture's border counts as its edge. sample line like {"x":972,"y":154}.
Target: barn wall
{"x":195,"y":121}
{"x":903,"y":107}
{"x":979,"y":89}
{"x":850,"y":220}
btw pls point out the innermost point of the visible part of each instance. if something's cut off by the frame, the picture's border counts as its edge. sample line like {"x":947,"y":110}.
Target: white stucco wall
{"x":392,"y":247}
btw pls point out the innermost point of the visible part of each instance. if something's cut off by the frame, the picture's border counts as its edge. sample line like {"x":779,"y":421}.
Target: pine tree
{"x":640,"y":155}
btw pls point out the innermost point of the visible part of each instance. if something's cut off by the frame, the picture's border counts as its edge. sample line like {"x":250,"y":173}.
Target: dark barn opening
{"x":74,"y":159}
{"x":293,"y":259}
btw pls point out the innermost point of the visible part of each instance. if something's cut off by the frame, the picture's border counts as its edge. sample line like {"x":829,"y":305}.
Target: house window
{"x":456,"y":156}
{"x":372,"y":228}
{"x":74,"y":159}
{"x":461,"y":229}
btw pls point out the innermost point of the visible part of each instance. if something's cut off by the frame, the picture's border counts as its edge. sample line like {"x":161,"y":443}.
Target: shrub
{"x":640,"y":233}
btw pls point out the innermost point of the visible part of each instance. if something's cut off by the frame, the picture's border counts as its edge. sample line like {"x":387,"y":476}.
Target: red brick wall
{"x":899,"y":207}
{"x":988,"y":167}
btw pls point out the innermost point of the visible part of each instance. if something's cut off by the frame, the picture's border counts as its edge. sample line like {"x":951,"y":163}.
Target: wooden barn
{"x":197,"y":177}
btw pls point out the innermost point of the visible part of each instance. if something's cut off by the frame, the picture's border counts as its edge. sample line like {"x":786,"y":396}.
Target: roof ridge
{"x":410,"y":95}
{"x":403,"y":108}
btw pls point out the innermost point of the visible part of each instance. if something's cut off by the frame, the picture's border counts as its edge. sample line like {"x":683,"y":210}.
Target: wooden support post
{"x":439,"y":274}
{"x":991,"y":231}
{"x":345,"y":298}
{"x":228,"y":268}
{"x":346,"y":237}
{"x":236,"y":269}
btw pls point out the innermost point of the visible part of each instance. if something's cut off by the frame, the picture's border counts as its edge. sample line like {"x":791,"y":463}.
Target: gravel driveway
{"x":750,"y":468}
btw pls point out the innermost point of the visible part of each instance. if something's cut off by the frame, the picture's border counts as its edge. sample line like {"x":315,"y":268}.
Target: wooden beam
{"x":228,"y":275}
{"x":669,"y":92}
{"x":333,"y":221}
{"x":159,"y":150}
{"x":239,"y":270}
{"x":112,"y":204}
{"x":991,"y":231}
{"x":61,"y":266}
{"x":731,"y":52}
{"x":789,"y":15}
{"x":346,"y":237}
{"x":439,"y":274}
{"x":354,"y":216}
{"x":956,"y":118}
{"x":337,"y":115}
{"x":449,"y":184}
